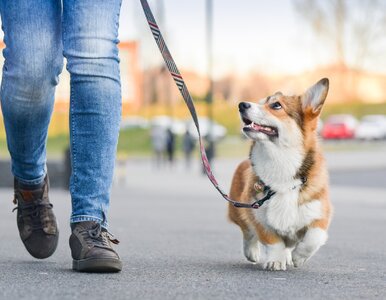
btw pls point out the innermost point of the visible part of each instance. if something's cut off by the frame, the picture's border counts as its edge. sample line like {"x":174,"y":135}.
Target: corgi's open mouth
{"x":251,"y":126}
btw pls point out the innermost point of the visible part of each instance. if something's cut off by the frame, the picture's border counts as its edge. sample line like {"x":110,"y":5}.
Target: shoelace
{"x":100,"y":237}
{"x":32,"y":211}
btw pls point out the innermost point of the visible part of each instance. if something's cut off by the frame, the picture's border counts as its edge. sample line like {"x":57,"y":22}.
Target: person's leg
{"x":90,"y":30}
{"x":33,"y":61}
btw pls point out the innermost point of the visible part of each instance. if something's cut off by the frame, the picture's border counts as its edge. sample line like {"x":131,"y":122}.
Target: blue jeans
{"x":38,"y":34}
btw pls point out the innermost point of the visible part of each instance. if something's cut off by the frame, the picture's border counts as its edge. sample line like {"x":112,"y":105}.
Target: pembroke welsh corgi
{"x":285,"y":161}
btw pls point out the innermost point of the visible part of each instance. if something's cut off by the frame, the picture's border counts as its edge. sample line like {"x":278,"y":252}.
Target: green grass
{"x":227,"y":113}
{"x":356,"y":109}
{"x":55,"y":146}
{"x":3,"y":149}
{"x":233,"y":146}
{"x":136,"y":142}
{"x":131,"y":142}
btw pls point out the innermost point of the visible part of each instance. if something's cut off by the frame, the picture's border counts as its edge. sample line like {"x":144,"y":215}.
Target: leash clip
{"x":255,"y":205}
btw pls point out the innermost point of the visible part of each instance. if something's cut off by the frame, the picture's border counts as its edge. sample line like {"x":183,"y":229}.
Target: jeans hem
{"x":85,"y":218}
{"x":31,"y":182}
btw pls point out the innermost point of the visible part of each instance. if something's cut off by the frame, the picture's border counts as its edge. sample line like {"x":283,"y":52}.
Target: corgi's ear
{"x":313,"y":98}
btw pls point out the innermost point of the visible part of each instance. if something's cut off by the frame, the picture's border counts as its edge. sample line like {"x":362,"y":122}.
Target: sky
{"x":264,"y":36}
{"x":248,"y":35}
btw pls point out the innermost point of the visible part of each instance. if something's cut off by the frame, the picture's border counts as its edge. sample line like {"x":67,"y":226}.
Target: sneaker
{"x":91,"y":248}
{"x":35,"y":219}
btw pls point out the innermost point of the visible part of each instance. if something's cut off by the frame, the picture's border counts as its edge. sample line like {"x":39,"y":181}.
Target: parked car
{"x":339,"y":127}
{"x":371,"y":127}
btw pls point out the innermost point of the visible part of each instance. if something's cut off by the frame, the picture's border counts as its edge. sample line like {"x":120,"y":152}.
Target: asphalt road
{"x":365,"y":178}
{"x":177,"y":244}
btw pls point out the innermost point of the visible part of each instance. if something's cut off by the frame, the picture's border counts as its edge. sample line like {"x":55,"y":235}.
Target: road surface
{"x":176,"y":243}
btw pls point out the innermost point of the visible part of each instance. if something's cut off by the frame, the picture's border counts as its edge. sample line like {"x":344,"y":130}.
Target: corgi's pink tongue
{"x":263,"y":129}
{"x":257,"y":127}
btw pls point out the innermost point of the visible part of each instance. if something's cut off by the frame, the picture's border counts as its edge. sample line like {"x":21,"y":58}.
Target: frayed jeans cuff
{"x":84,"y":218}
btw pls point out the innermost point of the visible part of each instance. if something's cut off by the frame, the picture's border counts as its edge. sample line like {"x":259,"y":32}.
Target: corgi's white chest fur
{"x":278,"y":168}
{"x":284,"y":214}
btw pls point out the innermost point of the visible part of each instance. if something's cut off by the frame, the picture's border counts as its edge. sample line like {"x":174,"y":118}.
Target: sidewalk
{"x":356,"y":160}
{"x":336,"y":161}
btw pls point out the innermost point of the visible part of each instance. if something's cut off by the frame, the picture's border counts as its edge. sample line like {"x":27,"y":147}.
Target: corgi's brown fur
{"x":291,"y":226}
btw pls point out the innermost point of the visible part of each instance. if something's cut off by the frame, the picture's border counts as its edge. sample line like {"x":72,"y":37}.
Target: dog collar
{"x":261,"y":187}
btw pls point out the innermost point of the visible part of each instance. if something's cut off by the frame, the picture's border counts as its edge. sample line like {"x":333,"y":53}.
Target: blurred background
{"x":175,"y":238}
{"x":229,"y":51}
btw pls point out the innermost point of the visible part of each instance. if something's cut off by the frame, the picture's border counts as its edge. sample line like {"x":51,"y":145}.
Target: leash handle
{"x":172,"y":67}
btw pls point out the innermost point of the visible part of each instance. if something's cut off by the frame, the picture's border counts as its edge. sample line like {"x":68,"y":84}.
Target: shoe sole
{"x":97,"y":265}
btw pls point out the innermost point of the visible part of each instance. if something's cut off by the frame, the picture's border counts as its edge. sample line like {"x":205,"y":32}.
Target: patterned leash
{"x":170,"y":64}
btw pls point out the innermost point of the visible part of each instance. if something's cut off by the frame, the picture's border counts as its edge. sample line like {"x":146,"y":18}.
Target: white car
{"x":371,"y":127}
{"x":166,"y":122}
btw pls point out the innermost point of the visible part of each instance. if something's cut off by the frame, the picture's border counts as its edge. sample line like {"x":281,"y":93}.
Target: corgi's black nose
{"x":243,"y":106}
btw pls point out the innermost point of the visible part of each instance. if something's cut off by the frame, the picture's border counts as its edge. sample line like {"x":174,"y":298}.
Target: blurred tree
{"x":356,"y":29}
{"x":225,"y":86}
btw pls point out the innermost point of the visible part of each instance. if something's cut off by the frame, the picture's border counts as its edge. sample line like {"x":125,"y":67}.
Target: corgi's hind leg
{"x":251,"y":246}
{"x":241,"y":216}
{"x":250,"y":237}
{"x":289,"y":257}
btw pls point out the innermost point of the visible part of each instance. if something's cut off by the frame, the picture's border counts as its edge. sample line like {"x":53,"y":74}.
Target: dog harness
{"x":175,"y":73}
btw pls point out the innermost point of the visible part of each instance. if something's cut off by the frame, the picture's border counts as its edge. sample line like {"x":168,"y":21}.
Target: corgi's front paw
{"x":289,"y":258}
{"x":312,"y":241}
{"x":275,"y":257}
{"x":298,"y":260}
{"x":275,"y":265}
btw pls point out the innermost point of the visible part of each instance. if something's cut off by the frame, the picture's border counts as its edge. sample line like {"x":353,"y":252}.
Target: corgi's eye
{"x":276,"y":106}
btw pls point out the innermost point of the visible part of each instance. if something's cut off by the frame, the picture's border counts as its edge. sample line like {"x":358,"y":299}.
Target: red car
{"x":339,"y":127}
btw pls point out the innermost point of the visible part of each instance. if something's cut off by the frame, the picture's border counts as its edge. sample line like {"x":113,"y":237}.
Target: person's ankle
{"x":28,"y":186}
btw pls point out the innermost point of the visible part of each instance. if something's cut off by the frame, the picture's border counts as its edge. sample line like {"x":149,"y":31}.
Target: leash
{"x":172,"y":67}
